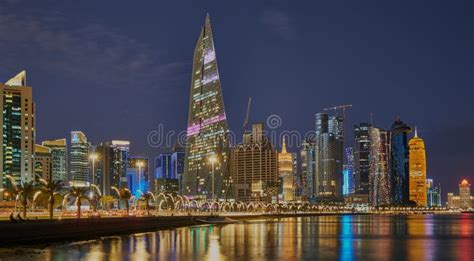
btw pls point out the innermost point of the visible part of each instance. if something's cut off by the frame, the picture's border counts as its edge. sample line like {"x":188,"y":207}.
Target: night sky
{"x":117,"y":70}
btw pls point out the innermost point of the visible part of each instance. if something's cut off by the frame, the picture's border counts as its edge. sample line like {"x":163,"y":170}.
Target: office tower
{"x":254,"y":167}
{"x":433,"y":194}
{"x":207,"y":123}
{"x":399,"y":162}
{"x":307,"y":161}
{"x":417,"y":170}
{"x":138,"y":175}
{"x":285,"y":173}
{"x":329,"y":157}
{"x":111,"y":165}
{"x":18,"y":132}
{"x":350,"y":166}
{"x":177,"y":165}
{"x":43,"y":163}
{"x":464,"y":200}
{"x":296,"y":176}
{"x":361,"y":158}
{"x":165,"y":179}
{"x":79,"y":156}
{"x":58,"y":158}
{"x":379,"y":178}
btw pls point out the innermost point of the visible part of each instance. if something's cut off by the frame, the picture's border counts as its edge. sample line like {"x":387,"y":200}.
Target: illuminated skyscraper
{"x":111,"y":165}
{"x":361,"y":158}
{"x":433,"y":194}
{"x":329,"y":157}
{"x":79,"y":159}
{"x":207,"y":123}
{"x":417,"y":165}
{"x":307,"y":154}
{"x":399,"y":162}
{"x":285,"y":172}
{"x":138,"y":175}
{"x":18,"y":131}
{"x":348,"y":172}
{"x":58,"y":158}
{"x":464,"y":200}
{"x":379,"y":178}
{"x":43,"y":166}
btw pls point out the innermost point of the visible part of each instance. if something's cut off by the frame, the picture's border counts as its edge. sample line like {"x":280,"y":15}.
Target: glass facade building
{"x":207,"y":122}
{"x":433,"y":194}
{"x":417,"y":170}
{"x":307,"y":160}
{"x":58,"y":158}
{"x":361,"y":158}
{"x":399,"y":162}
{"x":379,"y":178}
{"x":138,"y":175}
{"x":111,"y":165}
{"x":79,"y":155}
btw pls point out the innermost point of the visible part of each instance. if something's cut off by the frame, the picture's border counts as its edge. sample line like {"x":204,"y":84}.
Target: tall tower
{"x":17,"y":132}
{"x":417,"y":168}
{"x":361,"y":158}
{"x":207,"y":122}
{"x":79,"y":159}
{"x":285,"y":172}
{"x":379,"y":179}
{"x":399,"y":162}
{"x":58,"y":158}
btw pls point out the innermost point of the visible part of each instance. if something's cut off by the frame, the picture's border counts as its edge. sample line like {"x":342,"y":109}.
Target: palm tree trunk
{"x":51,"y":206}
{"x":78,"y":204}
{"x":24,"y":202}
{"x":127,"y":206}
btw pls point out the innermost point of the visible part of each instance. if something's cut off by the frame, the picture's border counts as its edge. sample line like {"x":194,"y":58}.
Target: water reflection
{"x":325,"y":237}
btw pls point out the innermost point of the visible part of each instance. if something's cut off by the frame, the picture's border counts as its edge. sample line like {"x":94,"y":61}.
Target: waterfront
{"x":344,"y":237}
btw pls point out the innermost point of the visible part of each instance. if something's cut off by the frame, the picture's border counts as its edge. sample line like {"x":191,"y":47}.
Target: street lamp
{"x":139,"y":165}
{"x":212,"y":160}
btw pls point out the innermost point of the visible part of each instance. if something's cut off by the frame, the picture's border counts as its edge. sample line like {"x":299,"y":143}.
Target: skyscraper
{"x":207,"y":123}
{"x":329,"y":157}
{"x":417,"y":169}
{"x":399,"y":162}
{"x":112,"y":161}
{"x":58,"y":158}
{"x":138,"y":175}
{"x":254,"y":167}
{"x":361,"y":158}
{"x":79,"y":164}
{"x":307,"y":154}
{"x":177,"y":165}
{"x":433,"y":194}
{"x":348,"y":172}
{"x":43,"y":163}
{"x":285,"y":173}
{"x":379,"y":178}
{"x":18,"y":131}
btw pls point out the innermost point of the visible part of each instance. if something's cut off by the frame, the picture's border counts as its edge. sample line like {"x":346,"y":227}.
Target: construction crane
{"x":339,"y":107}
{"x":246,"y":121}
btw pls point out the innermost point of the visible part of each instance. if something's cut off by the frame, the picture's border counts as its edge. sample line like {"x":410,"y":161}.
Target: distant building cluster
{"x":382,"y":167}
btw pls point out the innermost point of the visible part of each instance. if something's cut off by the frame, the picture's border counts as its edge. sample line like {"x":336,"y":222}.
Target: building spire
{"x":283,"y":147}
{"x":18,"y":80}
{"x":416,"y":132}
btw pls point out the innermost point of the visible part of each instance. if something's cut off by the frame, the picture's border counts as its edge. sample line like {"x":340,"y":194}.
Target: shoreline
{"x":45,"y":232}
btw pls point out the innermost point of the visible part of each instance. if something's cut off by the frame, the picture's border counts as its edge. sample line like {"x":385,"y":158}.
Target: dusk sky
{"x":118,"y":69}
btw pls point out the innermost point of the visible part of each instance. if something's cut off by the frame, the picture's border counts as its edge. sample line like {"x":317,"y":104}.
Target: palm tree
{"x":51,"y":188}
{"x":146,"y":197}
{"x":25,"y":190}
{"x":125,"y":194}
{"x":79,"y":193}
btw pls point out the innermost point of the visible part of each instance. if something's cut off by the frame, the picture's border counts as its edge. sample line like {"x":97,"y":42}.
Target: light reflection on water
{"x":309,"y":238}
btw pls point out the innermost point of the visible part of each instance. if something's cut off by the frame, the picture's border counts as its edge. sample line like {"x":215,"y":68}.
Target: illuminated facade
{"x":348,"y":173}
{"x":58,"y":158}
{"x":168,"y":171}
{"x":43,"y":166}
{"x":207,"y":123}
{"x":379,"y":178}
{"x":361,"y":158}
{"x":285,"y":173}
{"x":329,"y":157}
{"x":417,"y":169}
{"x":399,"y":162}
{"x":254,"y":167}
{"x":18,"y":131}
{"x":307,"y":160}
{"x":464,"y":200}
{"x":138,"y":175}
{"x":79,"y":156}
{"x":433,"y":194}
{"x":111,"y":165}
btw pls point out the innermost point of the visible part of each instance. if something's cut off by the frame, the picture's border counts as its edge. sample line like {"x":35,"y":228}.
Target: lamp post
{"x":212,"y":160}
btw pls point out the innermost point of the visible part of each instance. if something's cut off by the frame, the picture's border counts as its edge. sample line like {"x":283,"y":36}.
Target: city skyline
{"x":435,"y":141}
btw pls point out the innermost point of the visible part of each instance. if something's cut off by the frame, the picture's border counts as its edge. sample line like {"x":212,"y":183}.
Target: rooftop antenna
{"x":246,"y":120}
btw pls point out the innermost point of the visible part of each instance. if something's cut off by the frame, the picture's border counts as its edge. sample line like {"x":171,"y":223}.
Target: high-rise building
{"x":417,"y":170}
{"x":254,"y":167}
{"x":285,"y":173}
{"x":348,"y":172}
{"x":207,"y":122}
{"x":165,"y":179}
{"x":58,"y":158}
{"x":138,"y":175}
{"x":361,"y":158}
{"x":379,"y":178}
{"x":18,"y":131}
{"x":399,"y":162}
{"x":307,"y":161}
{"x":177,"y":165}
{"x":329,"y":157}
{"x":464,"y":200}
{"x":111,"y":168}
{"x":79,"y":156}
{"x":433,"y":194}
{"x":43,"y":163}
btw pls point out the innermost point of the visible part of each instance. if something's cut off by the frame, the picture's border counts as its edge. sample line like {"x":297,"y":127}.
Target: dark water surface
{"x":423,"y":237}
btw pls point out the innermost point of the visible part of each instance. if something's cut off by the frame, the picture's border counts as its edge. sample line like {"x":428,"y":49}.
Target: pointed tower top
{"x":208,"y":18}
{"x":283,"y":147}
{"x":416,"y":132}
{"x":18,"y":80}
